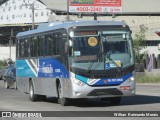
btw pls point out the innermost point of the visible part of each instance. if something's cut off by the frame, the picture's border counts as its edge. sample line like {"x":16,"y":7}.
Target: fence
{"x":155,"y":63}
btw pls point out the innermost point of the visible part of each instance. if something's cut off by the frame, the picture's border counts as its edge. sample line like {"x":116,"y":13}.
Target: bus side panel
{"x":23,"y":84}
{"x":42,"y":86}
{"x":50,"y":70}
{"x":43,"y":72}
{"x":45,"y":86}
{"x":24,"y":71}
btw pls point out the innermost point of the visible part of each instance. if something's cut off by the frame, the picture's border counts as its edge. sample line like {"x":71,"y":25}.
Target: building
{"x":17,"y":15}
{"x":20,"y":12}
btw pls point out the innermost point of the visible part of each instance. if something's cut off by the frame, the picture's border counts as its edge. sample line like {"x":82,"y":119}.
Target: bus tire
{"x":42,"y":97}
{"x":33,"y":97}
{"x":115,"y":100}
{"x":61,"y":100}
{"x":105,"y":99}
{"x":6,"y":84}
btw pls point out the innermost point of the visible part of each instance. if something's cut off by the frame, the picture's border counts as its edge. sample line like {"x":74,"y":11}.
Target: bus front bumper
{"x":125,"y":89}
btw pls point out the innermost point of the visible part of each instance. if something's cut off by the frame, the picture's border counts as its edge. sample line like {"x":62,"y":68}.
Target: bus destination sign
{"x":95,"y":6}
{"x":81,"y":33}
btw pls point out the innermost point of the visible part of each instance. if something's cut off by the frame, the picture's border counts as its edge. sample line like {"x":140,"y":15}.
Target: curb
{"x":148,"y":84}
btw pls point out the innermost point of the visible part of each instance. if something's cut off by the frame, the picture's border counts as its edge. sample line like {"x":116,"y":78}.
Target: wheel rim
{"x":31,"y":91}
{"x":60,"y":92}
{"x":15,"y":85}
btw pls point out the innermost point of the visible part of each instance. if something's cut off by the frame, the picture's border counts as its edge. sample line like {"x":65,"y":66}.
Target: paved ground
{"x":146,"y":99}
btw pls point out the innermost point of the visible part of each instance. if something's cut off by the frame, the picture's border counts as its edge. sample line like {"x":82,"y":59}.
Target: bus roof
{"x":67,"y":24}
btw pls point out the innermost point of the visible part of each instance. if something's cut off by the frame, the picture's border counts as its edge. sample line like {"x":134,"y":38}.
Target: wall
{"x":152,"y":50}
{"x":4,"y":53}
{"x":20,"y":12}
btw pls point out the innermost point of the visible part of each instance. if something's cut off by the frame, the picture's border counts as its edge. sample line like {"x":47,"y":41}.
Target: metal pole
{"x":10,"y":43}
{"x":10,"y":48}
{"x":32,"y":5}
{"x":67,"y":9}
{"x":95,"y":16}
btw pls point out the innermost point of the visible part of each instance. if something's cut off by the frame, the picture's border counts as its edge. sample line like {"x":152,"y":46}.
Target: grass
{"x":3,"y":65}
{"x":148,"y":78}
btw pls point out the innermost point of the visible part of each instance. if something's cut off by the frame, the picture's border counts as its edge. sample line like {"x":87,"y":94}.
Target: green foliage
{"x":139,"y":43}
{"x":3,"y":65}
{"x":148,"y":79}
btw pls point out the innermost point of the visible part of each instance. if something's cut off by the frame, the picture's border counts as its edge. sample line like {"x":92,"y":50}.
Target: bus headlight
{"x":131,"y":79}
{"x":77,"y":82}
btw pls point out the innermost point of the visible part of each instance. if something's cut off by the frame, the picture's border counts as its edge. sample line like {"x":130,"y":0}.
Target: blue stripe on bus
{"x":106,"y":81}
{"x":113,"y":81}
{"x":23,"y":69}
{"x":52,"y":68}
{"x":48,"y":68}
{"x":83,"y":79}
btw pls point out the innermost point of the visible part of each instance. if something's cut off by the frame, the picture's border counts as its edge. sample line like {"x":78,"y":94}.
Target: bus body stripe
{"x":31,"y":67}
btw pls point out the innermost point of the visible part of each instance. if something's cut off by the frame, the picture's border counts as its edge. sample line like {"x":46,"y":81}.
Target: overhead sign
{"x":95,"y":6}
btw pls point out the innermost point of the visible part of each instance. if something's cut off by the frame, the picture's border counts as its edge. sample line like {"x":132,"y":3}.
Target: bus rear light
{"x":125,"y":87}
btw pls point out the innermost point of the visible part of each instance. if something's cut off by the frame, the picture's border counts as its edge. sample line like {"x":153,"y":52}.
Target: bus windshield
{"x":102,"y":50}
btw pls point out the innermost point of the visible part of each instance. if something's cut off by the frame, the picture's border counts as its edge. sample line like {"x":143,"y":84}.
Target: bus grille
{"x":111,"y":91}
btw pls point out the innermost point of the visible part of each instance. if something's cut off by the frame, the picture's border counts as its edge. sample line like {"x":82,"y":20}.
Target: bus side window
{"x":22,"y":48}
{"x":63,"y":40}
{"x":32,"y":47}
{"x":54,"y":44}
{"x":27,"y":47}
{"x":49,"y":40}
{"x":18,"y":48}
{"x":45,"y":46}
{"x":35,"y":45}
{"x":58,"y":42}
{"x":41,"y":46}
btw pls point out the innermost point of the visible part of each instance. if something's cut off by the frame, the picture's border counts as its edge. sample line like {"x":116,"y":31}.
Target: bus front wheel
{"x":33,"y":97}
{"x":61,"y":100}
{"x":115,"y":100}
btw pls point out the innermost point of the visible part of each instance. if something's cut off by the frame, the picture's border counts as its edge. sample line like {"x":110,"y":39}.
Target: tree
{"x":139,"y":43}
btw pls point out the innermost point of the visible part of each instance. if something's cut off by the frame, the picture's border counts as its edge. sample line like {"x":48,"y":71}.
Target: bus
{"x":76,"y":60}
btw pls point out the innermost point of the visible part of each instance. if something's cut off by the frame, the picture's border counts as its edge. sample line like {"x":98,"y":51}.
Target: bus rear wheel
{"x":61,"y":100}
{"x":33,"y":97}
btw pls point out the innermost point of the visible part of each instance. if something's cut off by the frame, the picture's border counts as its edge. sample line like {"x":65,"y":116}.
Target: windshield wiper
{"x":92,"y":63}
{"x":117,"y":66}
{"x":99,"y":63}
{"x":90,"y":66}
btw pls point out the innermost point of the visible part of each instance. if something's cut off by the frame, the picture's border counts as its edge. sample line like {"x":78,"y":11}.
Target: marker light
{"x":125,"y":87}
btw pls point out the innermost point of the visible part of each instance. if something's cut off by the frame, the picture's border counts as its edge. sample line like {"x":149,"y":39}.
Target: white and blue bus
{"x":76,"y":59}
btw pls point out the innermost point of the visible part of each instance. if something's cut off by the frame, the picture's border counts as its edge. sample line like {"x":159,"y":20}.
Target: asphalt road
{"x":147,"y":98}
